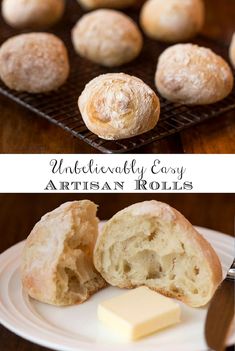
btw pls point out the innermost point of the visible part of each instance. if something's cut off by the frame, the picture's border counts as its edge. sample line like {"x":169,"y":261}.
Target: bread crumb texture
{"x":152,"y":244}
{"x":57,"y":263}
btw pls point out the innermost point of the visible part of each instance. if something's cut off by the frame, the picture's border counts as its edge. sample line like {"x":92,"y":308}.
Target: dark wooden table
{"x":24,"y":132}
{"x":19,"y":213}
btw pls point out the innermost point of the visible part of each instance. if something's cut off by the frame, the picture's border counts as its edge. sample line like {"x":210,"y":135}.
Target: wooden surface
{"x":24,"y":132}
{"x":19,"y":213}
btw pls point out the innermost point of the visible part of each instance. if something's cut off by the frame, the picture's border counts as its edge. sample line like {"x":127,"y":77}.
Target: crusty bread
{"x":193,"y":75}
{"x":34,"y":62}
{"x":57,"y":263}
{"x":117,"y":106}
{"x":152,"y":244}
{"x":115,"y":4}
{"x":107,"y":37}
{"x":36,"y":14}
{"x":172,"y":20}
{"x":232,"y":51}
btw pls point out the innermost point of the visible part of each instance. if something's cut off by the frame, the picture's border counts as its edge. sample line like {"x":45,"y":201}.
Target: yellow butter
{"x":138,"y":312}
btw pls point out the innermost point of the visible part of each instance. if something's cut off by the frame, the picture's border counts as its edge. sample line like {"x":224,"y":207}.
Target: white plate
{"x":77,"y":328}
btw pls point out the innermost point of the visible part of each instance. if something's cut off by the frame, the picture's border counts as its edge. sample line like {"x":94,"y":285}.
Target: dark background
{"x":22,"y":131}
{"x":19,"y":213}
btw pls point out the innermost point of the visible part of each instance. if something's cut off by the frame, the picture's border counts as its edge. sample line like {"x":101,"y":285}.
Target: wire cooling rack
{"x":61,"y":108}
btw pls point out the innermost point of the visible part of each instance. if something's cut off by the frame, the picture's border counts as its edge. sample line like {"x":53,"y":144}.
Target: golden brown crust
{"x":206,"y":249}
{"x":107,"y":37}
{"x":117,"y":106}
{"x":193,"y":75}
{"x":232,"y":51}
{"x":34,"y":63}
{"x":115,"y":4}
{"x":172,"y":20}
{"x":33,"y":14}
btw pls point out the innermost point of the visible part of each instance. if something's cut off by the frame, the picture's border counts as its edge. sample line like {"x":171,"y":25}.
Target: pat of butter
{"x":139,"y":312}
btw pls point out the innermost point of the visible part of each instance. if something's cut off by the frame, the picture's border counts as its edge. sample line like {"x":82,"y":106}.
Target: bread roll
{"x":172,"y":20}
{"x":34,"y":63}
{"x":232,"y":51}
{"x":117,"y":106}
{"x":107,"y":37}
{"x":193,"y":75}
{"x":35,"y":14}
{"x":152,"y":244}
{"x":115,"y":4}
{"x":57,"y":263}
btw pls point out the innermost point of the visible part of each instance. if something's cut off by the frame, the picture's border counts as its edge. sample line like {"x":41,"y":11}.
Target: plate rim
{"x":11,"y":254}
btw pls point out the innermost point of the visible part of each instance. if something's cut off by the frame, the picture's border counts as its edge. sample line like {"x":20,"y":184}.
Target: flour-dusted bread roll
{"x":118,"y":106}
{"x":37,"y":14}
{"x":152,"y":244}
{"x":193,"y":75}
{"x":57,"y":263}
{"x":115,"y":4}
{"x":34,"y":63}
{"x":172,"y":20}
{"x":232,"y":51}
{"x":107,"y":37}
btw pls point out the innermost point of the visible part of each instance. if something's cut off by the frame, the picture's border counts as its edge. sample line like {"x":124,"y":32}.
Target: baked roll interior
{"x":152,"y":244}
{"x":57,"y":263}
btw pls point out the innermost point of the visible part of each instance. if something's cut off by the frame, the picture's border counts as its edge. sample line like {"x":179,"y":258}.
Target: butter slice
{"x":138,"y":312}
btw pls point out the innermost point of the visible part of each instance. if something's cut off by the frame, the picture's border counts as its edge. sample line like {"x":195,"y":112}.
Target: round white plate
{"x":77,"y":328}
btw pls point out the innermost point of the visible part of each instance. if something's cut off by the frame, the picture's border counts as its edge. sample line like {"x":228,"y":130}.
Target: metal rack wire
{"x":61,"y":108}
